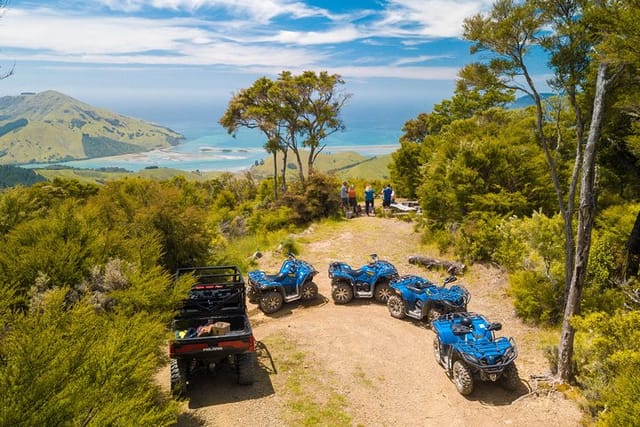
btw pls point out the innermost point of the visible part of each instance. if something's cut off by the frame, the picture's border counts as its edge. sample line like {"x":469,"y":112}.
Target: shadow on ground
{"x":210,"y":388}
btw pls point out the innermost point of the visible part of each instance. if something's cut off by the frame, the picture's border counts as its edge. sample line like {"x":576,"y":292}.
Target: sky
{"x":180,"y":61}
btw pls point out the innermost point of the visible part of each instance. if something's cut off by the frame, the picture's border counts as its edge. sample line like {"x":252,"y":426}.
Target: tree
{"x":509,"y":32}
{"x":259,"y":107}
{"x":318,"y":103}
{"x":294,"y":112}
{"x":471,"y":95}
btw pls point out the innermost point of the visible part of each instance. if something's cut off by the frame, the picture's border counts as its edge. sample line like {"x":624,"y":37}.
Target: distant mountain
{"x":51,"y":127}
{"x":527,"y":101}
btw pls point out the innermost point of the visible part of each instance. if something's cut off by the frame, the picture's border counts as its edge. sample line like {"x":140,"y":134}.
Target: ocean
{"x":211,"y":148}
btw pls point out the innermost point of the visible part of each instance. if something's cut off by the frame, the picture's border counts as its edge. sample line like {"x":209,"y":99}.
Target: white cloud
{"x":262,"y":11}
{"x":338,"y":35}
{"x":429,"y":18}
{"x":418,"y":59}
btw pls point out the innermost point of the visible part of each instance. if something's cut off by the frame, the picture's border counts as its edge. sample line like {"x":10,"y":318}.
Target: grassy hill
{"x":346,"y":165}
{"x":50,"y":126}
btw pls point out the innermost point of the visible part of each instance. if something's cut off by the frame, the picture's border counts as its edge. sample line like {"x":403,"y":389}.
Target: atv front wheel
{"x":462,"y":378}
{"x":252,"y":295}
{"x":510,"y":379}
{"x":382,"y":292}
{"x":396,"y":307}
{"x":434,"y":314}
{"x":309,"y":291}
{"x":437,"y":352}
{"x":246,"y":368}
{"x":270,"y":302}
{"x":342,"y":293}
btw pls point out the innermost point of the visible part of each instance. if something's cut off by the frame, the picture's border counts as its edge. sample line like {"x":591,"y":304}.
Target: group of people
{"x":349,"y":202}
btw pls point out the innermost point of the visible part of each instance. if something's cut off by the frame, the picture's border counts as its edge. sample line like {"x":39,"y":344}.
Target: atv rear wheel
{"x":434,"y":314}
{"x":246,"y":368}
{"x":462,"y":378}
{"x":382,"y":292}
{"x":396,"y":307}
{"x":178,"y":377}
{"x":270,"y":302}
{"x":309,"y":291}
{"x":510,"y":379}
{"x":342,"y":293}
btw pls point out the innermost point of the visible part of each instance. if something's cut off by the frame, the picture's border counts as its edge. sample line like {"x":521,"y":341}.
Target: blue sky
{"x":180,"y":60}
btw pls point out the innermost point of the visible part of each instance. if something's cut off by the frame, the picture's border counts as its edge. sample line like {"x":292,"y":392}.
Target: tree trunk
{"x":586,"y":213}
{"x":275,"y":175}
{"x":284,"y":169}
{"x":632,"y":259}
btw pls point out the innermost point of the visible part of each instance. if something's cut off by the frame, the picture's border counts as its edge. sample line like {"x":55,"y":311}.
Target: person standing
{"x":351,"y":193}
{"x":344,"y":195}
{"x":387,"y":195}
{"x":369,"y":192}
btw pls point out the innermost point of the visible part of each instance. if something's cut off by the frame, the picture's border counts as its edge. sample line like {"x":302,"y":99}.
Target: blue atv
{"x":369,"y":281}
{"x":419,"y":298}
{"x":466,"y":347}
{"x":293,"y":282}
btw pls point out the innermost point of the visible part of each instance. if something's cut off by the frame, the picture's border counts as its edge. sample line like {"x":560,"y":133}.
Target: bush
{"x":607,"y":354}
{"x":537,"y":299}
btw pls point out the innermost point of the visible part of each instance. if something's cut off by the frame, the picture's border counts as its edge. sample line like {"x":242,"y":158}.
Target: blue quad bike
{"x":369,"y":281}
{"x":466,"y":347}
{"x":419,"y":298}
{"x":293,"y":282}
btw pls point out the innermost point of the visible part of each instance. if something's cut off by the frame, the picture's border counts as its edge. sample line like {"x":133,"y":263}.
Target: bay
{"x":211,"y":148}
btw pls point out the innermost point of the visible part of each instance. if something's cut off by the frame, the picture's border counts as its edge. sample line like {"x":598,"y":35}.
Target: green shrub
{"x":607,"y":353}
{"x":537,"y":299}
{"x":478,"y":238}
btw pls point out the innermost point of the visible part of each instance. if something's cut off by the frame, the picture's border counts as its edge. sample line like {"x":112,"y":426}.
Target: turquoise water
{"x":213,"y":149}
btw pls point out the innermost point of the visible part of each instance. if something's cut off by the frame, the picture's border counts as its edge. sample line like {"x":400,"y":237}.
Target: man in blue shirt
{"x":369,"y":192}
{"x":386,"y":196}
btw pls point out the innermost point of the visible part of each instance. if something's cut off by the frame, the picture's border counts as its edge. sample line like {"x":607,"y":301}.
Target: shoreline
{"x":205,"y":159}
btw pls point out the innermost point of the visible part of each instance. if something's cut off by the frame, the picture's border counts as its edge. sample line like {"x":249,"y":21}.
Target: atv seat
{"x":352,"y":272}
{"x":417,"y":290}
{"x":276,"y":277}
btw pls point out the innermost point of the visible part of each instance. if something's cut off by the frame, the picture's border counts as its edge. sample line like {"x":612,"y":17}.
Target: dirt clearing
{"x":355,"y":365}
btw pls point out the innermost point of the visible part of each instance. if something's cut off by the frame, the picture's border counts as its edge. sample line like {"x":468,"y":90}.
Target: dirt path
{"x":355,"y":365}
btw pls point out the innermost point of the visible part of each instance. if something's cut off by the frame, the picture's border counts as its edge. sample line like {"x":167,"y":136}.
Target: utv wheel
{"x":462,"y":378}
{"x":342,"y":293}
{"x":396,"y":307}
{"x":178,"y":378}
{"x":383,"y":292}
{"x":246,"y":368}
{"x":434,"y":314}
{"x":309,"y":291}
{"x":510,"y":379}
{"x":271,"y":302}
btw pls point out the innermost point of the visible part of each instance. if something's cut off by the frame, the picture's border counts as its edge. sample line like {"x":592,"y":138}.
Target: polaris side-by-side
{"x":419,"y":298}
{"x":467,"y":348}
{"x":210,"y":327}
{"x":369,"y":281}
{"x":293,"y":282}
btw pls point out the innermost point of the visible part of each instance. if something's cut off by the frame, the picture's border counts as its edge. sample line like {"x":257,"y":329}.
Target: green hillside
{"x":50,"y":127}
{"x":347,"y":165}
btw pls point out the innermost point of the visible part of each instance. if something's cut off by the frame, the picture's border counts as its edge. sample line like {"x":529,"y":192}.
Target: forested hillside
{"x":50,"y":127}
